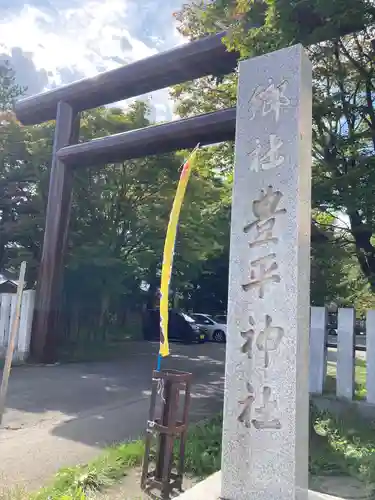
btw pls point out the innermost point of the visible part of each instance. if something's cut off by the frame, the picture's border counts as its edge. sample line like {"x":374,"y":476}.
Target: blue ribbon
{"x":159,"y":363}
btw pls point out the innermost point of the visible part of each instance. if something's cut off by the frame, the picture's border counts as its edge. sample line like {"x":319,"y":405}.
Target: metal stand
{"x":169,"y":383}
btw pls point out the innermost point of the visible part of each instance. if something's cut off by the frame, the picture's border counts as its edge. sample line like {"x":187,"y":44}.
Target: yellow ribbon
{"x":169,"y":245}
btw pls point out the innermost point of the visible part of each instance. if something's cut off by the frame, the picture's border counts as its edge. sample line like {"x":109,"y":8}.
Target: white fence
{"x":7,"y":310}
{"x":324,"y":361}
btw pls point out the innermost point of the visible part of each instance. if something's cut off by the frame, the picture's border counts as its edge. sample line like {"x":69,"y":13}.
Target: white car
{"x":215,"y":327}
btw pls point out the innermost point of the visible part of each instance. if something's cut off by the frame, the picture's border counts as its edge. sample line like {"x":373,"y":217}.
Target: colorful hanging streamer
{"x":169,"y":251}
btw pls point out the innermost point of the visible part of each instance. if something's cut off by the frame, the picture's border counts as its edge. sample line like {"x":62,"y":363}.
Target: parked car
{"x":332,"y":325}
{"x":221,"y":318}
{"x":181,"y":327}
{"x":215,"y":327}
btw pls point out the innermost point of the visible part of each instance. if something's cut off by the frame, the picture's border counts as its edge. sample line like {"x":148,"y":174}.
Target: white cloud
{"x":89,"y":36}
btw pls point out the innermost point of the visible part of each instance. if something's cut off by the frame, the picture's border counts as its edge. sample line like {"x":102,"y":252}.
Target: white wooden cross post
{"x":11,"y":341}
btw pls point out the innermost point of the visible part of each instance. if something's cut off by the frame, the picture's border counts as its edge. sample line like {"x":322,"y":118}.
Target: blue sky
{"x":54,"y":42}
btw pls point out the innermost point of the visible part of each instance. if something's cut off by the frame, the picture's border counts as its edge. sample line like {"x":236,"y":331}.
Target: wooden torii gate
{"x":188,"y":62}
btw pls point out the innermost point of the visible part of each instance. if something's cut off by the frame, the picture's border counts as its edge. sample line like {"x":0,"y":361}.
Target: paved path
{"x":63,"y":415}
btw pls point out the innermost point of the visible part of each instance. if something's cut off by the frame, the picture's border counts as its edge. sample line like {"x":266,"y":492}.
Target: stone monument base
{"x":209,"y":489}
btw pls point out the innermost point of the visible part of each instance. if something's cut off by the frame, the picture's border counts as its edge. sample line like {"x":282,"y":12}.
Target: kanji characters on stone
{"x":247,"y":403}
{"x":263,"y":272}
{"x":272,"y":157}
{"x":269,"y":99}
{"x":265,"y":414}
{"x":269,"y":339}
{"x":265,"y":210}
{"x":248,"y":336}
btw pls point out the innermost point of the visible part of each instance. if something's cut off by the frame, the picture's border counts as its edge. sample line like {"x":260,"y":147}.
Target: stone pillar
{"x":318,"y":349}
{"x":345,"y":354}
{"x":266,"y":410}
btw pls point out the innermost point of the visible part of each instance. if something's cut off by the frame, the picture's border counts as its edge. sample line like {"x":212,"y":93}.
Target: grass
{"x":14,"y":494}
{"x":202,"y":457}
{"x":76,"y":483}
{"x":203,"y":448}
{"x":341,"y":446}
{"x":346,"y":445}
{"x":360,"y":378}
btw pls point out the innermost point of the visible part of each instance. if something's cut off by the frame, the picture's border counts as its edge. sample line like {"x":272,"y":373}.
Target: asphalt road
{"x":360,"y":341}
{"x":62,"y":415}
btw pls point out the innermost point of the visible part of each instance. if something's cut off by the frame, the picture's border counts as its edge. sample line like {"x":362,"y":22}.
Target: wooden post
{"x":44,"y":335}
{"x":11,"y":341}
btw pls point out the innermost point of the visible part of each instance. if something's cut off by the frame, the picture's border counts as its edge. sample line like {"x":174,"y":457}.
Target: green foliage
{"x":275,"y":24}
{"x":9,"y":89}
{"x":343,"y":264}
{"x":21,"y":205}
{"x":77,"y":483}
{"x":120,"y":211}
{"x":119,"y":218}
{"x":203,"y":448}
{"x":350,"y":442}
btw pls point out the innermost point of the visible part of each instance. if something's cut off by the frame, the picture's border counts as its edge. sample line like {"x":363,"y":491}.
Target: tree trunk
{"x":153,"y":291}
{"x":104,"y":306}
{"x":365,"y":250}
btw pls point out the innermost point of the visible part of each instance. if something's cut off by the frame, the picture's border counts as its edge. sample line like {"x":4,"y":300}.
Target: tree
{"x":119,"y":218}
{"x":10,"y":91}
{"x":21,"y":207}
{"x":343,"y":111}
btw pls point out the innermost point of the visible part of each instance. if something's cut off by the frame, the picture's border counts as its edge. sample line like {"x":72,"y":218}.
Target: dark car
{"x":332,"y":324}
{"x":180,"y":327}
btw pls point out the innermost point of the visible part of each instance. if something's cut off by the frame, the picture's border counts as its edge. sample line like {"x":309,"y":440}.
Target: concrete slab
{"x":341,"y":486}
{"x":209,"y":489}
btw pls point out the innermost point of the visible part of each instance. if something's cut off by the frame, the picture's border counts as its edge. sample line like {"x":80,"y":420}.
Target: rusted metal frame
{"x":174,"y":483}
{"x":209,"y":128}
{"x":168,"y":429}
{"x":149,"y":431}
{"x":183,"y":436}
{"x":173,"y":375}
{"x":165,"y":448}
{"x":176,"y":431}
{"x":44,"y":338}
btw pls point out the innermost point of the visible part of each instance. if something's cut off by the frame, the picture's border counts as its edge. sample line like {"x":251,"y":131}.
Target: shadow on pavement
{"x":100,"y":403}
